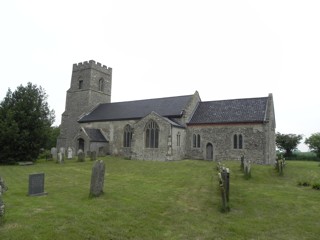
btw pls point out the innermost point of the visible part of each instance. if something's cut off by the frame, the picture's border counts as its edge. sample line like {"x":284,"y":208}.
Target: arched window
{"x":240,"y":141}
{"x":196,"y":140}
{"x":127,"y":136}
{"x":152,"y":135}
{"x":101,"y":85}
{"x":237,"y":141}
{"x":178,"y":139}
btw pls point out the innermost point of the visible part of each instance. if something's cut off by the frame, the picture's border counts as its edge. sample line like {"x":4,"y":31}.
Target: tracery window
{"x":127,"y":136}
{"x":152,"y":135}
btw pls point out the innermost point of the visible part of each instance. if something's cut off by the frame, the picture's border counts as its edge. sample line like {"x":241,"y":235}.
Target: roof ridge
{"x":148,"y":99}
{"x":235,"y":99}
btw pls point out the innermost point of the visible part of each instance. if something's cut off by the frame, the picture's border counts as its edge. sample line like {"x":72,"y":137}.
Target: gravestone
{"x":54,"y":153}
{"x":97,"y":179}
{"x":36,"y":184}
{"x":242,"y":163}
{"x":81,"y":156}
{"x":247,"y":169}
{"x":60,"y":157}
{"x":225,"y":174}
{"x":70,"y":153}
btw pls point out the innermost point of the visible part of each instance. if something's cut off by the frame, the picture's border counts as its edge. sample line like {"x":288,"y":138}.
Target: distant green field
{"x":161,"y":200}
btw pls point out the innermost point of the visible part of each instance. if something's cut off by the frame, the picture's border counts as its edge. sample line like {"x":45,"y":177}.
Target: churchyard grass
{"x":161,"y":200}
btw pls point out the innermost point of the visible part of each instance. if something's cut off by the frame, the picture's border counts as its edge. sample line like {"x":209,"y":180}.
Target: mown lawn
{"x":161,"y":200}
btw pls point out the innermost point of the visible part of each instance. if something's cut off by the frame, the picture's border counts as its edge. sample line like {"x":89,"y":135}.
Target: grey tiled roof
{"x":166,"y":107}
{"x":231,"y":111}
{"x":95,"y":135}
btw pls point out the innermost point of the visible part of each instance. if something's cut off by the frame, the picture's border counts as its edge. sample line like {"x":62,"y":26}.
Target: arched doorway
{"x":81,"y":144}
{"x":209,"y":151}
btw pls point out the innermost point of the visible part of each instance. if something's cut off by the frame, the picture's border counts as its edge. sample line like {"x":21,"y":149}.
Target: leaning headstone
{"x":97,"y":179}
{"x":69,"y":153}
{"x":225,"y":174}
{"x":81,"y":157}
{"x":36,"y":184}
{"x":3,"y":188}
{"x":54,"y":153}
{"x":225,"y":205}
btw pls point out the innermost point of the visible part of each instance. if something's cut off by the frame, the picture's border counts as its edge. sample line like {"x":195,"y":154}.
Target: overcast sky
{"x":222,"y":49}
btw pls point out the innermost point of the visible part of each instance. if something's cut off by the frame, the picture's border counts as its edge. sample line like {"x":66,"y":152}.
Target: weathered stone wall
{"x":221,"y":137}
{"x":178,"y":151}
{"x":270,"y":126}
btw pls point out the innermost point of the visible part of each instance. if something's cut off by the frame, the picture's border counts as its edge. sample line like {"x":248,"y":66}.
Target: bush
{"x":303,"y":156}
{"x":316,"y":186}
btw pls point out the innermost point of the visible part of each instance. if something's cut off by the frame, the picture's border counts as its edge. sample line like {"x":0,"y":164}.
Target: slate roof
{"x":95,"y":135}
{"x":166,"y":107}
{"x":230,"y":111}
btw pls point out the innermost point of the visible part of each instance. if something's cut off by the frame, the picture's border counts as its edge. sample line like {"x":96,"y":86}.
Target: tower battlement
{"x":91,"y":64}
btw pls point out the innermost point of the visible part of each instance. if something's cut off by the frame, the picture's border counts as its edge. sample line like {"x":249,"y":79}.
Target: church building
{"x":163,"y":129}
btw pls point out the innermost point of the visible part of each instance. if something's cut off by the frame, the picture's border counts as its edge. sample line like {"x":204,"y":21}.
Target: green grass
{"x":161,"y":200}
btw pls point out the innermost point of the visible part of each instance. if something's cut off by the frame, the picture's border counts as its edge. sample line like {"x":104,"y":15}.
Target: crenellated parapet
{"x":91,"y":64}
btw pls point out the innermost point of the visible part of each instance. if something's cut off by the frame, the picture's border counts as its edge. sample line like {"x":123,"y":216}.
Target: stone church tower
{"x":90,"y":85}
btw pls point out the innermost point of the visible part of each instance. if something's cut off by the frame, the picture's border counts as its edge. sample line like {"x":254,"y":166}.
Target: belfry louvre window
{"x":80,"y":84}
{"x":152,"y":135}
{"x":196,"y":140}
{"x":237,"y":141}
{"x":101,"y":85}
{"x":127,"y":136}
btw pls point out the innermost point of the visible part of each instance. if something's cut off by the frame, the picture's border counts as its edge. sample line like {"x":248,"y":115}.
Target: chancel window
{"x":152,"y":135}
{"x":127,"y":136}
{"x":196,"y":140}
{"x":237,"y":141}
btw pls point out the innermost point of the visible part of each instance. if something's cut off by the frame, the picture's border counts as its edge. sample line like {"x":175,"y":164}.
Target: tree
{"x":313,"y":143}
{"x":25,"y":121}
{"x":53,"y":135}
{"x":288,"y":142}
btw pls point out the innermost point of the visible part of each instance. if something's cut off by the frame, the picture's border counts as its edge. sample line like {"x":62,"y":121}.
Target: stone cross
{"x":97,"y":178}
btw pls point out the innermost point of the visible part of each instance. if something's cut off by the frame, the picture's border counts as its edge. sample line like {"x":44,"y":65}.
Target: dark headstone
{"x":97,"y":178}
{"x":36,"y":184}
{"x":81,"y":156}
